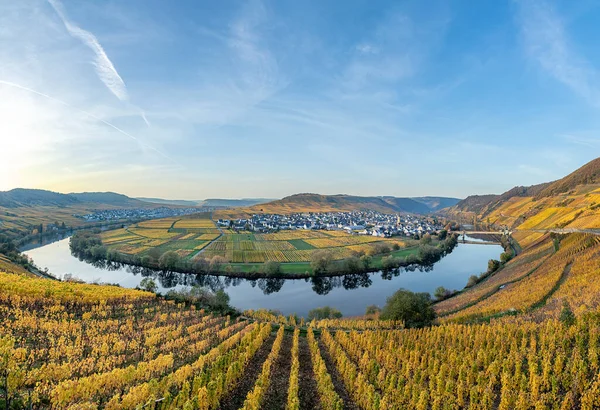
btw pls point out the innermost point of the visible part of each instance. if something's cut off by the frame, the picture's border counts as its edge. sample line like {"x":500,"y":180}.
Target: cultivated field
{"x":198,"y":237}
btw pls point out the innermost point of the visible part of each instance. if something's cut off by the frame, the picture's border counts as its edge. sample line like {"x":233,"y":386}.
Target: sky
{"x":199,"y":99}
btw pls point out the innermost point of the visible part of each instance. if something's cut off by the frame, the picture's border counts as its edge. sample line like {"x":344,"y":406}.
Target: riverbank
{"x":350,"y":294}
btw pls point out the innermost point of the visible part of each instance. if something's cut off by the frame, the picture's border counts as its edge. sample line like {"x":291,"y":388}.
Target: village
{"x":136,"y":213}
{"x":356,"y":223}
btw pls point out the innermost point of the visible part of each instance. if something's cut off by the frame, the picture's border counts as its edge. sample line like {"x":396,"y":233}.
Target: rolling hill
{"x":330,"y":203}
{"x":20,"y":197}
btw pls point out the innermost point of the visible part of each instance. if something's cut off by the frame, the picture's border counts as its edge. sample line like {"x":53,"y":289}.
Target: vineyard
{"x":197,"y":236}
{"x":550,"y":272}
{"x":579,"y":208}
{"x":68,"y":345}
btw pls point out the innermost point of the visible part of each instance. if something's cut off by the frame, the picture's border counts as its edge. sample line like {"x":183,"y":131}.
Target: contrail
{"x":15,"y":85}
{"x":105,"y":69}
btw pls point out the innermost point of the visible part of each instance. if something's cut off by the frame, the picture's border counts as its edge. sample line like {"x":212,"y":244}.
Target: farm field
{"x":71,"y":345}
{"x":198,"y":237}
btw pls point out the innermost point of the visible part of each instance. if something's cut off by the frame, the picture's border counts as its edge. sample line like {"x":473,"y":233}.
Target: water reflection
{"x":320,"y":285}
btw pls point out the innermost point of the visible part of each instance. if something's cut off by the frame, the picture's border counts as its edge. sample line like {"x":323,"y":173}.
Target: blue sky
{"x":199,"y":99}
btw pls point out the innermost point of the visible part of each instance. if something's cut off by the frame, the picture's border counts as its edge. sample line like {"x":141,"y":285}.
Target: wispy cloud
{"x":546,"y":41}
{"x":533,"y":170}
{"x":104,"y":67}
{"x":585,"y":141}
{"x":259,"y":70}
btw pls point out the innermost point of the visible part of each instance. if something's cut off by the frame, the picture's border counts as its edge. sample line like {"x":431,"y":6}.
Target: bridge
{"x":482,"y":233}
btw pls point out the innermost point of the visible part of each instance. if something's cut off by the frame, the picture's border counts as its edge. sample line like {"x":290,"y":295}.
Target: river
{"x":350,"y":294}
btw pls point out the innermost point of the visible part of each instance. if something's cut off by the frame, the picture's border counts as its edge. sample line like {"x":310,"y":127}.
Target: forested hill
{"x":332,"y":203}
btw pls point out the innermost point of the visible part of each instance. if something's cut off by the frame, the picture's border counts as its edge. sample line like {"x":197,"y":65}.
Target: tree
{"x":414,"y":309}
{"x":221,"y":300}
{"x":372,"y":310}
{"x":366,"y":260}
{"x":148,"y":285}
{"x":168,"y":260}
{"x":325,"y":312}
{"x":271,"y":268}
{"x":426,"y":239}
{"x":390,"y":262}
{"x":320,"y":261}
{"x":353,"y":265}
{"x":473,"y":280}
{"x":505,"y":257}
{"x":442,"y":234}
{"x":493,"y":265}
{"x":442,"y":293}
{"x":215,"y":263}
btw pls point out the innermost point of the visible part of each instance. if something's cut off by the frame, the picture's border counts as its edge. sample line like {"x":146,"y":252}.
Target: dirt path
{"x":308,"y":393}
{"x":276,"y":394}
{"x":340,"y":388}
{"x":235,"y":399}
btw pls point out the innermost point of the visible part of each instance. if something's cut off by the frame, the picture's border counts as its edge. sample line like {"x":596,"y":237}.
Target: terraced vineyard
{"x":536,"y":283}
{"x":198,"y":237}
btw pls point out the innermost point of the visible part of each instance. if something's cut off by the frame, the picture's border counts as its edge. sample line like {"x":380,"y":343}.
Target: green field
{"x":300,"y":244}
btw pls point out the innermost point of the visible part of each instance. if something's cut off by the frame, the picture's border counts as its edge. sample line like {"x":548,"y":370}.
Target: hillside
{"x":572,"y":202}
{"x":21,"y":197}
{"x":332,"y":203}
{"x":589,"y":174}
{"x":23,"y":210}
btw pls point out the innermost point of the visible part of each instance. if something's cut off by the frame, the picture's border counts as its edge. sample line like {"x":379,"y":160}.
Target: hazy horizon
{"x":243,"y":99}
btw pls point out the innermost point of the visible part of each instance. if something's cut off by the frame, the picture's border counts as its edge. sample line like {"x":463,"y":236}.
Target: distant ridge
{"x":179,"y":202}
{"x":213,"y":202}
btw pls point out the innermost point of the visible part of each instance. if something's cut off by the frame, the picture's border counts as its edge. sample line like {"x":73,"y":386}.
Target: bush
{"x":566,"y":315}
{"x":414,"y":309}
{"x":148,"y":285}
